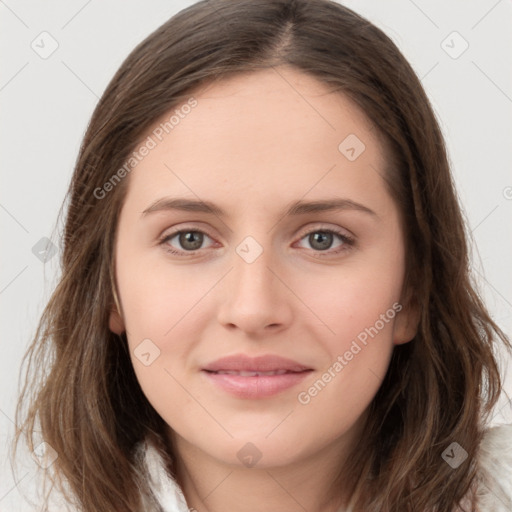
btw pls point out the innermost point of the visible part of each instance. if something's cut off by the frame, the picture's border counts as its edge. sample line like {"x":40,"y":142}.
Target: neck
{"x":212,"y":485}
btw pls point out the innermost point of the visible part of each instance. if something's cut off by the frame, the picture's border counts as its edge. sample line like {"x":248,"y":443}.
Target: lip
{"x":266,"y":363}
{"x":240,"y":383}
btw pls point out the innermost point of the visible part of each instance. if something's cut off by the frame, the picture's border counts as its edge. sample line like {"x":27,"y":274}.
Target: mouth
{"x":244,"y":373}
{"x":255,"y":378}
{"x":261,"y":364}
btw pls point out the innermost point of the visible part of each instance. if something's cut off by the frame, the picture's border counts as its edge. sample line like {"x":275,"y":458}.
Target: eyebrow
{"x":296,"y":208}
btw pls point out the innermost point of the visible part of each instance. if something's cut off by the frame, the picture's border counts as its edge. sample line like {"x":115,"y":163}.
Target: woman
{"x":265,"y":301}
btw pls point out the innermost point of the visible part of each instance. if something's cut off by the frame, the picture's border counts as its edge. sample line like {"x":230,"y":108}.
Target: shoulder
{"x":494,"y":489}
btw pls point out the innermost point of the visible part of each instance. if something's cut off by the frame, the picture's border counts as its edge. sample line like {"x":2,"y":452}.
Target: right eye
{"x":190,"y":241}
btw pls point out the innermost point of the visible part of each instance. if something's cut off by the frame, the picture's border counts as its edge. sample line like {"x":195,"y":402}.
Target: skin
{"x":254,"y":144}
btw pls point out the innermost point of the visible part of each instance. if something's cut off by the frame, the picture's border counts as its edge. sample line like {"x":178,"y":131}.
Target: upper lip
{"x":266,"y":363}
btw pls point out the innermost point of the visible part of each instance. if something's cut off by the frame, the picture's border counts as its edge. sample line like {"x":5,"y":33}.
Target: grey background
{"x":46,"y":104}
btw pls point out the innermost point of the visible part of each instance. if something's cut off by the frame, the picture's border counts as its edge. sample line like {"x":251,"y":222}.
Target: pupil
{"x":194,"y":238}
{"x":322,"y":239}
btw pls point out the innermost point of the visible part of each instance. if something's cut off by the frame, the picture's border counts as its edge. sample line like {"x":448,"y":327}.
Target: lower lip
{"x":258,"y":386}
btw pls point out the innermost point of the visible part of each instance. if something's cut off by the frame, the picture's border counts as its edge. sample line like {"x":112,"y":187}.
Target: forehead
{"x":270,"y":99}
{"x":272,"y":132}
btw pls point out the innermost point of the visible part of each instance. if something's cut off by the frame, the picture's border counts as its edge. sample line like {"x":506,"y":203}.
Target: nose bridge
{"x":252,"y":264}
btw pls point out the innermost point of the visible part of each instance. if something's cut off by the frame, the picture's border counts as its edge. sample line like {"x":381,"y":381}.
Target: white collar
{"x":494,"y":491}
{"x":166,"y":490}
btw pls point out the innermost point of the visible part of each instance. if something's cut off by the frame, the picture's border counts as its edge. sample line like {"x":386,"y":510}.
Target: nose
{"x":255,"y":298}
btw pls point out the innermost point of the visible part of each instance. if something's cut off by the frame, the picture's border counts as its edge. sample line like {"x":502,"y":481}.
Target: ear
{"x":406,"y":322}
{"x":115,"y":321}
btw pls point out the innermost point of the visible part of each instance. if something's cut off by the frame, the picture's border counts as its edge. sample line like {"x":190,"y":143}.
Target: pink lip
{"x":268,"y":363}
{"x":256,"y":386}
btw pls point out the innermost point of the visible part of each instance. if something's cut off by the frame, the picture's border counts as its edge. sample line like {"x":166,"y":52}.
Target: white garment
{"x":495,"y":468}
{"x":494,"y":464}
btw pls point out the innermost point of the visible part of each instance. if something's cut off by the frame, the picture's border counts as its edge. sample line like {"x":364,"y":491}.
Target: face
{"x":293,"y":270}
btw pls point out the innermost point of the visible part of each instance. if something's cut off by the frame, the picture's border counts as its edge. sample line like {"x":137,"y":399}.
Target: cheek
{"x":358,"y":334}
{"x":158,"y":296}
{"x":358,"y":348}
{"x":359,"y":305}
{"x":354,"y":298}
{"x":163,"y":327}
{"x":165,"y":316}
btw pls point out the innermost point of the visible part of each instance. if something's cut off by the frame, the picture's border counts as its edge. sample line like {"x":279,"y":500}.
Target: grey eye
{"x":190,"y":240}
{"x":320,"y":240}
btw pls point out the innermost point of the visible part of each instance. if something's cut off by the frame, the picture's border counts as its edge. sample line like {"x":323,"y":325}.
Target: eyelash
{"x":348,"y":241}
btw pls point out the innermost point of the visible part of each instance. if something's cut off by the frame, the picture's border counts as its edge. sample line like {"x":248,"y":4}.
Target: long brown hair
{"x":80,"y":387}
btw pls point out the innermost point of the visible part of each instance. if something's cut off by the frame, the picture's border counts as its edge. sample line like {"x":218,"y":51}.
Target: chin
{"x":254,"y":450}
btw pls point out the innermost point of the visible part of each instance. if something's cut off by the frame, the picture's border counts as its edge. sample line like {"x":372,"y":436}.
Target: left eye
{"x":322,"y":240}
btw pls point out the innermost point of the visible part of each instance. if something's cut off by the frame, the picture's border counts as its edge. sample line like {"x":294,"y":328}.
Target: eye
{"x":189,"y":240}
{"x":321,"y":240}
